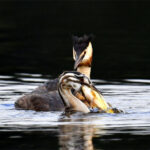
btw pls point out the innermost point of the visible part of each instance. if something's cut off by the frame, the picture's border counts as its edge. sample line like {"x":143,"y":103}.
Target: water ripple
{"x":133,"y":99}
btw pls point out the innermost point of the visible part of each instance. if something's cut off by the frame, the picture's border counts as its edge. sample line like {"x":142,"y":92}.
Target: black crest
{"x":81,"y":43}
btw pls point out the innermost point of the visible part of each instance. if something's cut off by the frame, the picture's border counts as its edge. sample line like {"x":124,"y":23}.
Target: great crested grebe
{"x":73,"y":82}
{"x":46,"y":97}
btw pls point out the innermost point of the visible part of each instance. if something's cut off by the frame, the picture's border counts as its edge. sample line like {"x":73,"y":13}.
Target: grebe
{"x":73,"y":82}
{"x":46,"y":97}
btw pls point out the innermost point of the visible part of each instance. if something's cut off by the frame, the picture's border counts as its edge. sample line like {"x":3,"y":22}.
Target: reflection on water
{"x":72,"y":137}
{"x":51,"y":130}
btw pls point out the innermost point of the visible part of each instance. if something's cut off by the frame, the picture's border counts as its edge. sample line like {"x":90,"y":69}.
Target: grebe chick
{"x":74,"y":82}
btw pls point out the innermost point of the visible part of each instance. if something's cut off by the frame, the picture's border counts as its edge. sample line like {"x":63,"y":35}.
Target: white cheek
{"x":86,"y":57}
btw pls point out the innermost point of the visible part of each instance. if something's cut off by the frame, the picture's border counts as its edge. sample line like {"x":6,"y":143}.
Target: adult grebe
{"x":69,"y":84}
{"x":46,"y":97}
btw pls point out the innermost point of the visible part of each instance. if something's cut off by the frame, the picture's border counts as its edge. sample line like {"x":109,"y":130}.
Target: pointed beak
{"x":78,"y":57}
{"x":77,"y":62}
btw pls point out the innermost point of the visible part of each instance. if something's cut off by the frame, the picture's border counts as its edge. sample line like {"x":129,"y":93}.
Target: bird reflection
{"x":74,"y":136}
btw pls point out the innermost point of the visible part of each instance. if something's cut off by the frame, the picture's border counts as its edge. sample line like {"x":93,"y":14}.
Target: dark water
{"x":35,"y":36}
{"x":21,"y":129}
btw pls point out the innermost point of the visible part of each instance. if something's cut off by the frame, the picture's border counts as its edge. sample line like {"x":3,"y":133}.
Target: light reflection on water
{"x":132,"y":96}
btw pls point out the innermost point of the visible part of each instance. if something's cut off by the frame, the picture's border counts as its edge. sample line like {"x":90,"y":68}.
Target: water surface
{"x":21,"y":129}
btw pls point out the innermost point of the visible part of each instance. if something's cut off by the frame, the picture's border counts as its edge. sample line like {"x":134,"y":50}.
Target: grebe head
{"x":82,"y":53}
{"x":74,"y":80}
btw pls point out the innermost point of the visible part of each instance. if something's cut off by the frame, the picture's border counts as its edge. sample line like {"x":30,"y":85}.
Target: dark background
{"x":35,"y":36}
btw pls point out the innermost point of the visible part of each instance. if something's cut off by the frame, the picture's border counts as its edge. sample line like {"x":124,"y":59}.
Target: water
{"x":36,"y":37}
{"x":20,"y":129}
